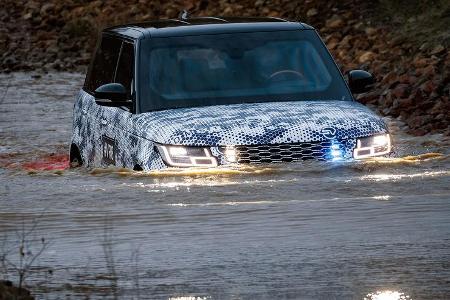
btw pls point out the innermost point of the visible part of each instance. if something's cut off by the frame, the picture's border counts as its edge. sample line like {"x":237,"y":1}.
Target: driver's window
{"x":125,"y":68}
{"x":101,"y":71}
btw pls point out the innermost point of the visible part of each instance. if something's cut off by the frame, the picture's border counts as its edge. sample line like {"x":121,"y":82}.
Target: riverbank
{"x":405,"y":47}
{"x":9,"y":291}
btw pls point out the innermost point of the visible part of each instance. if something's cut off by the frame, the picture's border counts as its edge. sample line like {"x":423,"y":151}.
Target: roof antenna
{"x":183,"y":15}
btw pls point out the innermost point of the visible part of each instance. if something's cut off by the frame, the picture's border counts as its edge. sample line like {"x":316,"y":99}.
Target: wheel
{"x":75,"y":157}
{"x":138,"y":168}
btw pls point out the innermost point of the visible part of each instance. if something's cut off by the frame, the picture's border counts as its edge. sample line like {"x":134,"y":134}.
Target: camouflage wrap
{"x":133,"y":136}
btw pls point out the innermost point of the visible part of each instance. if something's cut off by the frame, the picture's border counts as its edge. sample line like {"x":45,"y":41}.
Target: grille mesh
{"x":254,"y":154}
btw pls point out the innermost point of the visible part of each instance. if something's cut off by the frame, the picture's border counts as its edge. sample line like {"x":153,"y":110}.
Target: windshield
{"x":235,"y":68}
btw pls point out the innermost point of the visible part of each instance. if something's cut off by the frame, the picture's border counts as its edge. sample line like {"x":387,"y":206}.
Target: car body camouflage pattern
{"x":323,"y":124}
{"x":113,"y":136}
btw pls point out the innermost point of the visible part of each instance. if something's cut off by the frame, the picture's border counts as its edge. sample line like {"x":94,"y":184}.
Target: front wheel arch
{"x":75,"y":158}
{"x":138,"y":168}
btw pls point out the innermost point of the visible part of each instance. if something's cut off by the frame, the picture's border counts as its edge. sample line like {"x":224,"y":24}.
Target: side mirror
{"x":113,"y":95}
{"x":360,"y":81}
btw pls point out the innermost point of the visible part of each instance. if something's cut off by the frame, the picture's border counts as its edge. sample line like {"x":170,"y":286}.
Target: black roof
{"x":203,"y":25}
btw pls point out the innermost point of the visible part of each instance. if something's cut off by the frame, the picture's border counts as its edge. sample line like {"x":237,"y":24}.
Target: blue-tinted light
{"x":336,"y":153}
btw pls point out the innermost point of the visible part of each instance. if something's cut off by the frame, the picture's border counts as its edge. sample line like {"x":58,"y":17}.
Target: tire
{"x":75,"y":157}
{"x":138,"y":168}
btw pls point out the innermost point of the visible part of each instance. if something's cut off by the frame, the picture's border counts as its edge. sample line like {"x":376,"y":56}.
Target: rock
{"x":228,"y":10}
{"x":369,"y":97}
{"x":427,"y":87}
{"x":441,"y":117}
{"x":386,"y":100}
{"x":345,"y":42}
{"x":46,"y":8}
{"x":311,"y":12}
{"x":403,"y":103}
{"x":335,"y":22}
{"x":414,"y":121}
{"x":439,"y":108}
{"x":366,"y":57}
{"x":370,"y":31}
{"x":390,"y":78}
{"x":9,"y":61}
{"x":417,"y":132}
{"x":27,"y":16}
{"x":404,"y":78}
{"x":429,"y":71}
{"x":358,"y":26}
{"x":387,"y":111}
{"x":332,"y":45}
{"x":438,"y":50}
{"x":259,"y":3}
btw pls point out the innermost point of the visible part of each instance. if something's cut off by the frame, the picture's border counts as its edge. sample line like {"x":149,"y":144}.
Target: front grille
{"x":324,"y":150}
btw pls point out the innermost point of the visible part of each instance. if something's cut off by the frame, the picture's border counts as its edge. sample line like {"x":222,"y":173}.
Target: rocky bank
{"x":413,"y":72}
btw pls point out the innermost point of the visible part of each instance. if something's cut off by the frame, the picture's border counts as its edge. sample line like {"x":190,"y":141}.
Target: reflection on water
{"x":190,"y":298}
{"x":288,"y":231}
{"x":382,"y":197}
{"x":192,"y":172}
{"x":407,"y":158}
{"x":387,"y":295}
{"x":395,"y":177}
{"x":215,"y":181}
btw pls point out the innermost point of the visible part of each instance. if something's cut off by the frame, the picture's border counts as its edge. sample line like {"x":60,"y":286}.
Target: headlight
{"x":182,"y":156}
{"x":372,"y":146}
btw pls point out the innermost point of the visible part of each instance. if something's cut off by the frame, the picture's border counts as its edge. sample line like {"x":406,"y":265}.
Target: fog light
{"x":230,"y":154}
{"x":336,"y":154}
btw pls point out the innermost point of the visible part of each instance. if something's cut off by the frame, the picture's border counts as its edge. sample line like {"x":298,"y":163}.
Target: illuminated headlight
{"x":183,"y":156}
{"x":372,"y":146}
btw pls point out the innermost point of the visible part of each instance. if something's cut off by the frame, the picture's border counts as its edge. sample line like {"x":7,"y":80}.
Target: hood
{"x":259,"y":123}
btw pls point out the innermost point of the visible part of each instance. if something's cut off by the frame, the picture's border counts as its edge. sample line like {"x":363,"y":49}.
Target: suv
{"x":203,"y":92}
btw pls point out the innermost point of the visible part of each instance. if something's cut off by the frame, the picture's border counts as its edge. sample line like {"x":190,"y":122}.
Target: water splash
{"x":49,"y":162}
{"x":396,"y":177}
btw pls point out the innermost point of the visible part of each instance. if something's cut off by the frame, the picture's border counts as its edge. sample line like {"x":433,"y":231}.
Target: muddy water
{"x":372,"y":230}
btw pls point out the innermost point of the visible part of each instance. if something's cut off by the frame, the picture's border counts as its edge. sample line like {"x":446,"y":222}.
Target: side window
{"x":102,"y":68}
{"x":125,"y":68}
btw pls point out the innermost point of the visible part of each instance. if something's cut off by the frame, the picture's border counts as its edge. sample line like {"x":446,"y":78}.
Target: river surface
{"x":369,"y":230}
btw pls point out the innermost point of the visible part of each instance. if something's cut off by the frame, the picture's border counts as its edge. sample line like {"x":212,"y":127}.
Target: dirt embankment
{"x":8,"y":292}
{"x":405,"y":44}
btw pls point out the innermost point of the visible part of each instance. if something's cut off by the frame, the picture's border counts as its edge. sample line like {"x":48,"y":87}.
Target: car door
{"x":101,"y":71}
{"x":116,"y":121}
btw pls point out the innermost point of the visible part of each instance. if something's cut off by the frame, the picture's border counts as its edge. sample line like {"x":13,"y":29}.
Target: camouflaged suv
{"x":205,"y":92}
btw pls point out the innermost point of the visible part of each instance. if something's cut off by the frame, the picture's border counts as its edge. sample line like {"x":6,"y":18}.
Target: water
{"x":367,"y":230}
